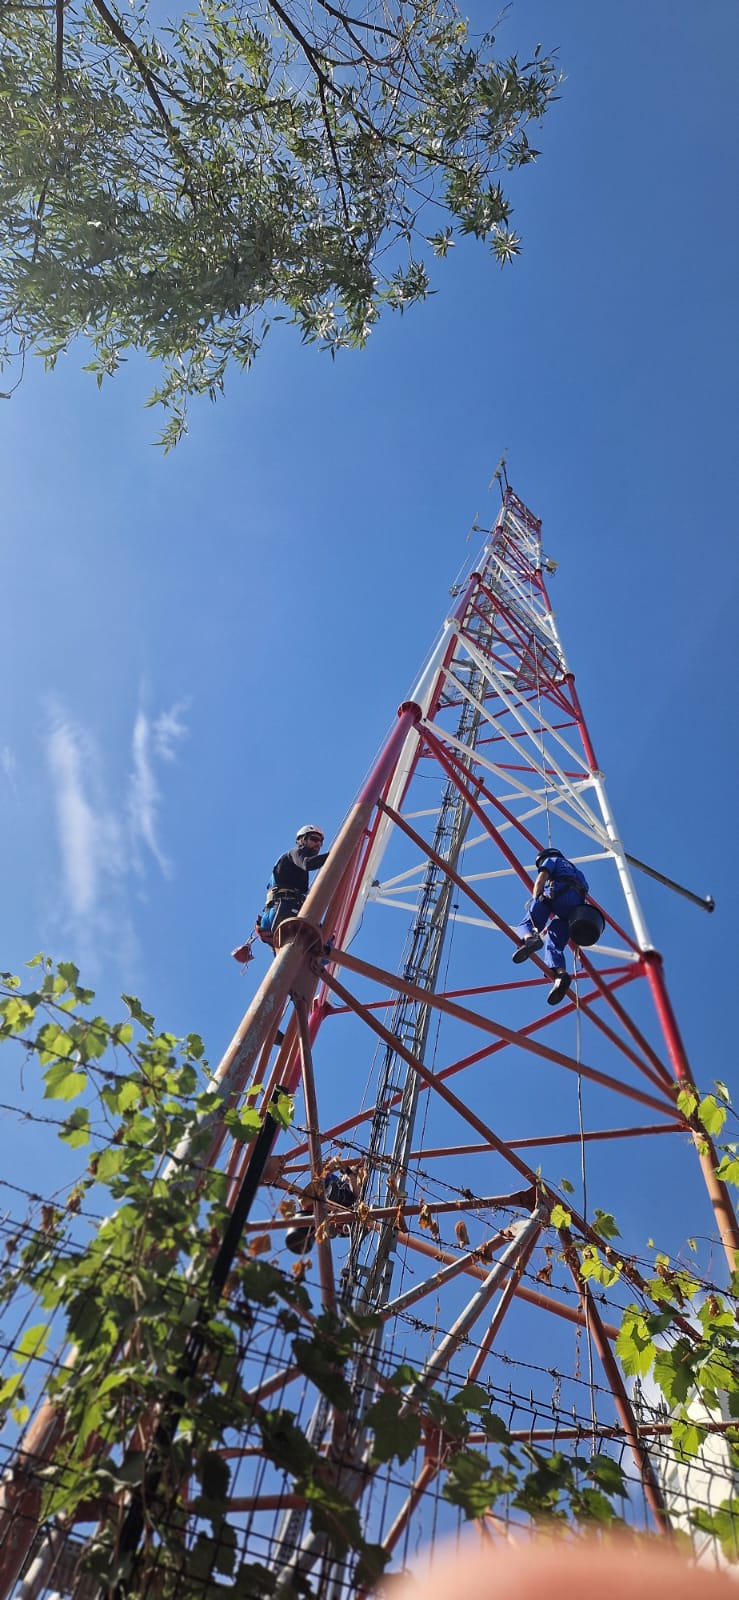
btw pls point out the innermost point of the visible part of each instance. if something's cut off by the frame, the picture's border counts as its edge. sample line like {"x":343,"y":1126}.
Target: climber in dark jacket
{"x":287,"y":887}
{"x":559,"y":888}
{"x":289,"y":883}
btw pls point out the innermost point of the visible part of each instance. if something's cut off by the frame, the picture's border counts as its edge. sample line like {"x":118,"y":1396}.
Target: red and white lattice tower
{"x":482,"y":1128}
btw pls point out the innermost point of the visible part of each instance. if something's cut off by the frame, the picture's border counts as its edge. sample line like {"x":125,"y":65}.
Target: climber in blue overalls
{"x":559,"y":888}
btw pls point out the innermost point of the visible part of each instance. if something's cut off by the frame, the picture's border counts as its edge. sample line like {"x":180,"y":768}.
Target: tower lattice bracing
{"x":484,"y":1132}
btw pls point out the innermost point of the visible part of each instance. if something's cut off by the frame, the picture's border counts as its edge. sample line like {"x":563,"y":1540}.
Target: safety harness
{"x":557,"y":884}
{"x":273,"y":895}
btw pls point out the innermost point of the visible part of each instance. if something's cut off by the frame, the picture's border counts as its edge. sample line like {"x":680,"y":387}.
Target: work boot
{"x":528,"y":948}
{"x":562,"y":981}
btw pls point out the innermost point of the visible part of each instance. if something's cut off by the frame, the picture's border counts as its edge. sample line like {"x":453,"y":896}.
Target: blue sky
{"x":202,"y":652}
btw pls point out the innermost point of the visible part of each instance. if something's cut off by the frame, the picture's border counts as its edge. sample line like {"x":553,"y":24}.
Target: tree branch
{"x":59,"y":51}
{"x":147,"y":78}
{"x":334,"y":154}
{"x":324,"y":82}
{"x":357,"y":22}
{"x":305,"y":45}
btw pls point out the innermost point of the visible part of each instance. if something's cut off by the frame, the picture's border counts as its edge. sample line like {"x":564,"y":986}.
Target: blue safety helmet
{"x":542,"y":856}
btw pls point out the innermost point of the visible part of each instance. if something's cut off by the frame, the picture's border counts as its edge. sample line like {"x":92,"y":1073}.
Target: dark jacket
{"x":290,"y":873}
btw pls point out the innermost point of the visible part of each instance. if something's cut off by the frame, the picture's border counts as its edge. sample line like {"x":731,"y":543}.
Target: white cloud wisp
{"x":100,"y":846}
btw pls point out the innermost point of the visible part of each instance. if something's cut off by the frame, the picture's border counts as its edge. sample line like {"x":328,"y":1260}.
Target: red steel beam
{"x":366,"y":970}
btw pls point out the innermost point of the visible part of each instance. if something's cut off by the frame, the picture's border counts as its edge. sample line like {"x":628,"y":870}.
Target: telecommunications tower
{"x":482,"y":1132}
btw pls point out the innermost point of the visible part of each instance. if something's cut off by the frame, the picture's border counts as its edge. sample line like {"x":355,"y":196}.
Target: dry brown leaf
{"x":259,"y":1245}
{"x":425,"y":1220}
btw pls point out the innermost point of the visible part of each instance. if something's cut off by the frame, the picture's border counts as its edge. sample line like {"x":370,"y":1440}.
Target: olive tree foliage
{"x":171,"y":186}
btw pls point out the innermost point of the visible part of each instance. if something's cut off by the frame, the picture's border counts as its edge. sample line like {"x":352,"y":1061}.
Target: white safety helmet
{"x":305,"y":833}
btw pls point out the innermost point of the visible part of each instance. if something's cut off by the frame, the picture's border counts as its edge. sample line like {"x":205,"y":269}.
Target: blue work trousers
{"x":270,"y":918}
{"x":554,"y":916}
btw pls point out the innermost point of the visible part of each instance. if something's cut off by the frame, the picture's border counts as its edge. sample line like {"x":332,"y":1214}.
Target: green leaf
{"x":318,"y":1362}
{"x":284,"y":1442}
{"x":404,"y":1376}
{"x":569,"y":1188}
{"x":137,"y":1012}
{"x":333,"y":1513}
{"x":63,"y":1083}
{"x":129,"y":1095}
{"x":122,"y":1033}
{"x":608,"y":1474}
{"x":728,"y":1169}
{"x":17,"y":1013}
{"x":253,"y":1582}
{"x":110,"y":1164}
{"x":635,"y":1348}
{"x":605,"y":1225}
{"x":687,"y":1101}
{"x":53,"y":1041}
{"x":215,"y":1477}
{"x":687,"y":1438}
{"x":592,"y":1266}
{"x":94,"y":1037}
{"x":593,"y":1506}
{"x":495,"y":1428}
{"x":9,"y":1388}
{"x":76,"y":1130}
{"x":371,"y":1565}
{"x":711,"y":1114}
{"x":395,"y":1437}
{"x":472,"y":1485}
{"x":243,"y":1124}
{"x":441,"y":243}
{"x":723,"y":1524}
{"x":673,"y":1371}
{"x":559,"y":1217}
{"x":472,"y":1397}
{"x":211,"y":1554}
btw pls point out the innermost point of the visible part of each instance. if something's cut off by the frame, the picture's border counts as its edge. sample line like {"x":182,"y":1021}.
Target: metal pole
{"x":705,"y":901}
